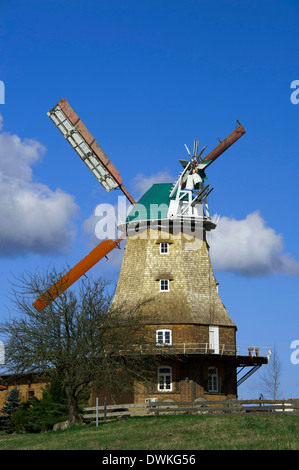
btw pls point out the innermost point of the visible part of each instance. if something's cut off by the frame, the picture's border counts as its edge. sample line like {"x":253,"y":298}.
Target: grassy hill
{"x":187,"y":432}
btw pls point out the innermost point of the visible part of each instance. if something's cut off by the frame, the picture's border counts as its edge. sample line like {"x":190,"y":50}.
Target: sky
{"x":146,"y":78}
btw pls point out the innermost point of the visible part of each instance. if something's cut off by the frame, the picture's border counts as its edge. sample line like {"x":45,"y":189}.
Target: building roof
{"x":153,"y":204}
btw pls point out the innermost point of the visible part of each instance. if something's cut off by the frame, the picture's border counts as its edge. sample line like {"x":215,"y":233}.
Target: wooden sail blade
{"x":99,"y":252}
{"x":224,"y":145}
{"x":88,"y":149}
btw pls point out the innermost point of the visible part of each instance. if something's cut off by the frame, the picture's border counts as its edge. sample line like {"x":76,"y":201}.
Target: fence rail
{"x":196,"y":407}
{"x":200,"y":348}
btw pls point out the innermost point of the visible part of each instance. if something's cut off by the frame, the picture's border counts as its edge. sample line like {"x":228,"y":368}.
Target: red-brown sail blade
{"x":76,"y":272}
{"x":224,"y":145}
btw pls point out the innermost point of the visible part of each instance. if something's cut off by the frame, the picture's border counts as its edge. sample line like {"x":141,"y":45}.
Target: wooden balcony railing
{"x":200,"y":348}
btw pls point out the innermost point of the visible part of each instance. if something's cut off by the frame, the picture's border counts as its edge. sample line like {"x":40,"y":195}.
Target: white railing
{"x":202,"y":348}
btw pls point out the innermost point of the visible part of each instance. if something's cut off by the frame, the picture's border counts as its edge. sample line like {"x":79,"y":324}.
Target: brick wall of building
{"x":29,"y":386}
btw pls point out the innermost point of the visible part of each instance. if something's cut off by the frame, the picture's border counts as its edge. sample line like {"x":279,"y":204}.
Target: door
{"x":214,"y":338}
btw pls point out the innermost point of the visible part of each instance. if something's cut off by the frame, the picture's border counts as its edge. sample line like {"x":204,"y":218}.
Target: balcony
{"x":252,"y":353}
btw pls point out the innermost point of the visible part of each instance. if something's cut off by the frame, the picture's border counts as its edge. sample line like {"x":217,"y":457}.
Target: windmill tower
{"x":166,"y":263}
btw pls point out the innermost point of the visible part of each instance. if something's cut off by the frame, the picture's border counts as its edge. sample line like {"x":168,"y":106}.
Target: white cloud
{"x":250,"y":248}
{"x":142,"y":182}
{"x":34,"y":219}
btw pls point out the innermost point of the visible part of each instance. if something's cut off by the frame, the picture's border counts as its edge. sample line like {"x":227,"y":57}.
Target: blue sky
{"x":146,"y":78}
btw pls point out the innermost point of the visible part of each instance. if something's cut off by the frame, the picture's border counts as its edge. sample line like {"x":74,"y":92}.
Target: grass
{"x":188,"y":432}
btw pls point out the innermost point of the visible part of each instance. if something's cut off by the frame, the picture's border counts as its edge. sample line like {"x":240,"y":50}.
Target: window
{"x":164,"y":285}
{"x":163,"y":337}
{"x":164,"y":248}
{"x":164,"y":379}
{"x":30,"y":395}
{"x":213,"y":379}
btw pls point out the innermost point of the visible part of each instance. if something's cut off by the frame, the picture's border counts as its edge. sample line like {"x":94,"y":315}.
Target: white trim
{"x":163,"y":332}
{"x":165,"y":379}
{"x":214,"y":338}
{"x":165,"y":284}
{"x":164,"y":245}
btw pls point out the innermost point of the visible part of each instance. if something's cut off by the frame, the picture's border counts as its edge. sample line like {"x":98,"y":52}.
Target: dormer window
{"x":164,"y":248}
{"x":164,"y":285}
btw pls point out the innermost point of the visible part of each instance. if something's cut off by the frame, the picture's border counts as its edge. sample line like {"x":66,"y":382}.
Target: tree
{"x":12,"y":402}
{"x":270,"y":380}
{"x":78,"y":337}
{"x":10,"y":406}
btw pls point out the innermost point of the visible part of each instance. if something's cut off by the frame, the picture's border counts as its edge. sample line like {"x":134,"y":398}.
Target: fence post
{"x":97,"y":412}
{"x":105,"y":410}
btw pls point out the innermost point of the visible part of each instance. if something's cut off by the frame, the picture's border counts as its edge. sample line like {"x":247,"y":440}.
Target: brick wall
{"x":28,"y":386}
{"x":194,"y":333}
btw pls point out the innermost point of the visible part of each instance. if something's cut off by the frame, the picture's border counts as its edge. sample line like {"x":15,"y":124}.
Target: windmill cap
{"x":153,"y":205}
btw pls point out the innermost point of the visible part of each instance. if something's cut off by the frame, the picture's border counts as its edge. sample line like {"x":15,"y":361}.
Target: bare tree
{"x":78,"y":337}
{"x":270,"y":380}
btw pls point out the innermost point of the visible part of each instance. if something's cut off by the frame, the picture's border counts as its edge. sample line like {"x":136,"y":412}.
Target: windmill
{"x":185,"y":194}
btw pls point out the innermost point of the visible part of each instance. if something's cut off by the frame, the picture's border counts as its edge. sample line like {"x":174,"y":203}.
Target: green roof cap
{"x":153,"y":204}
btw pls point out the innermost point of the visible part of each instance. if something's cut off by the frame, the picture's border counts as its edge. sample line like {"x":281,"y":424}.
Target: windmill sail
{"x":93,"y":156}
{"x":195,"y":173}
{"x":85,"y":145}
{"x":224,"y":145}
{"x":76,"y":272}
{"x":81,"y":140}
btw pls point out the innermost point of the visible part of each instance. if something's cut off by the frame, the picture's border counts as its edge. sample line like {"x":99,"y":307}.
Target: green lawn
{"x":188,"y":432}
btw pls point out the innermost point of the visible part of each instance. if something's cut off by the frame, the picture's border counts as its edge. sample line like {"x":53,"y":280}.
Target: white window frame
{"x":165,"y":379}
{"x":164,"y":337}
{"x":213,"y":380}
{"x":164,"y":283}
{"x":164,"y":248}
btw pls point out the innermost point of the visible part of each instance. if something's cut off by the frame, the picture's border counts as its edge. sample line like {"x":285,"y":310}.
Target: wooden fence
{"x":203,"y":407}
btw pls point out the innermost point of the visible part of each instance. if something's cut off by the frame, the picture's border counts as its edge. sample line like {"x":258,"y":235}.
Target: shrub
{"x":10,"y":406}
{"x":39,"y":415}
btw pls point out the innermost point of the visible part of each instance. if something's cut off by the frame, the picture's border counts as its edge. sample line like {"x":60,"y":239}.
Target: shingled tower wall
{"x":188,"y":310}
